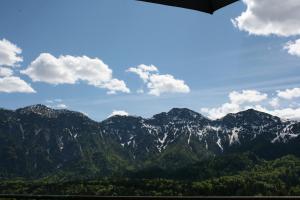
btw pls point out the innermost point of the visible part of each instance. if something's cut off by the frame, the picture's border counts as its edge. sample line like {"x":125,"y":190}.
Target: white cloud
{"x":239,"y":102}
{"x":114,"y":86}
{"x":61,"y":106}
{"x":219,"y":112}
{"x":293,"y":48}
{"x":10,"y":57}
{"x":9,"y":54}
{"x":14,"y":84}
{"x":287,"y":113}
{"x":70,"y":70}
{"x":273,"y":17}
{"x":143,"y":71}
{"x":245,"y":96}
{"x":274,"y":102}
{"x":56,"y":104}
{"x":119,"y":113}
{"x":4,"y":72}
{"x":159,"y":84}
{"x":236,"y":104}
{"x":289,"y":93}
{"x":284,"y":113}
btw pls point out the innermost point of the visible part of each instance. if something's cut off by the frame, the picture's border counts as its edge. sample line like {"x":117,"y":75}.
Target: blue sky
{"x":211,"y":55}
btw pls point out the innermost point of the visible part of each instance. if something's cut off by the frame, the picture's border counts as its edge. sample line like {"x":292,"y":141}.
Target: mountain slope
{"x":37,"y":141}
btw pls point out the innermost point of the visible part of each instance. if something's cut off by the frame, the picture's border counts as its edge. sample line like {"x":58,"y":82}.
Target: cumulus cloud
{"x":274,"y":17}
{"x":159,"y":84}
{"x":9,"y":54}
{"x":114,"y":86}
{"x":293,"y":48}
{"x":287,"y":113}
{"x":4,"y":72}
{"x":143,"y":71}
{"x":284,"y":113}
{"x":274,"y":102}
{"x":10,"y":57}
{"x":119,"y":113}
{"x":251,"y":96}
{"x":240,"y":101}
{"x":15,"y":84}
{"x":219,"y":112}
{"x":289,"y":93}
{"x":237,"y":99}
{"x":70,"y":70}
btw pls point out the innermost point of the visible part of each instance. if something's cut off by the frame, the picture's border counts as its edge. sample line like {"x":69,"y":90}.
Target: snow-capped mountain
{"x":37,"y":140}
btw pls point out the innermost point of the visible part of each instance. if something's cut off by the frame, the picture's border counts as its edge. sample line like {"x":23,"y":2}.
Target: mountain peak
{"x":44,"y":111}
{"x":35,"y":108}
{"x":122,"y":118}
{"x":251,"y":115}
{"x":38,"y":109}
{"x":254,"y":113}
{"x":180,"y":114}
{"x":182,"y":111}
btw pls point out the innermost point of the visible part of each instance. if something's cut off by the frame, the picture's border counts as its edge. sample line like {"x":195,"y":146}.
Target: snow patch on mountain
{"x":234,"y":137}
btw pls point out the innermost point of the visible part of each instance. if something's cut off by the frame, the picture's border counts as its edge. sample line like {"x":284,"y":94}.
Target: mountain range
{"x":38,"y":141}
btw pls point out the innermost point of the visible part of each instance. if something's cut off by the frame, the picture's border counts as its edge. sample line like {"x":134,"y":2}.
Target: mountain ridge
{"x":36,"y":107}
{"x":37,"y":140}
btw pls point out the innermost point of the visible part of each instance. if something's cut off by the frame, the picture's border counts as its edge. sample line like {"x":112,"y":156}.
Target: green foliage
{"x":208,"y":168}
{"x":276,"y":177}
